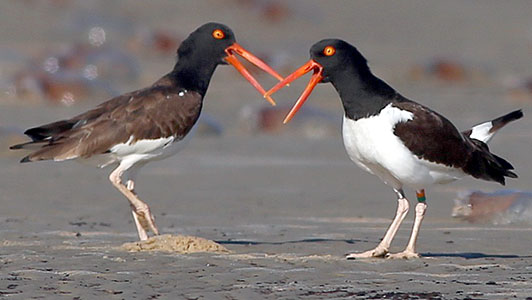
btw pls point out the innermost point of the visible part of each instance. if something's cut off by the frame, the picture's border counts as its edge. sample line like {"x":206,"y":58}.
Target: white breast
{"x":154,"y":146}
{"x":372,"y":145}
{"x":129,"y":153}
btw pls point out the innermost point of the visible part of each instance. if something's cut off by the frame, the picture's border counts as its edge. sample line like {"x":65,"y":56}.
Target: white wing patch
{"x":482,"y":132}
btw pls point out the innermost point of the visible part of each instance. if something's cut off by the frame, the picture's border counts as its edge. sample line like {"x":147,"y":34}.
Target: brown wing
{"x":158,"y":111}
{"x":47,"y":131}
{"x":432,"y":137}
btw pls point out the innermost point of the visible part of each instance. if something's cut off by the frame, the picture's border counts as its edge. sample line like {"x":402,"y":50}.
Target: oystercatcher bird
{"x":148,"y":124}
{"x":400,"y":141}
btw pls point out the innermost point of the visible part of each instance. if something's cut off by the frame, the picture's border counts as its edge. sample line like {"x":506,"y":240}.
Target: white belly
{"x":129,"y":153}
{"x":372,"y":145}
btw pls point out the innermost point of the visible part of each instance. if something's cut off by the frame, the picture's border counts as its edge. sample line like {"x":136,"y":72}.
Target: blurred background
{"x":469,"y":60}
{"x":62,"y":53}
{"x":285,"y":199}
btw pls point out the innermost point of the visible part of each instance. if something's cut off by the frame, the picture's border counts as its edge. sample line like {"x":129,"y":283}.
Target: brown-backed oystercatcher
{"x":398,"y":140}
{"x":148,"y":124}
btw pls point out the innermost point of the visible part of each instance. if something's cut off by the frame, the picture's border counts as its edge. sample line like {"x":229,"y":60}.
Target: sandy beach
{"x":288,"y":204}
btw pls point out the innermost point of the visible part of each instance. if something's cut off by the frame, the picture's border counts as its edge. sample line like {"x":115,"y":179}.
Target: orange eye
{"x":218,"y":34}
{"x":329,"y":50}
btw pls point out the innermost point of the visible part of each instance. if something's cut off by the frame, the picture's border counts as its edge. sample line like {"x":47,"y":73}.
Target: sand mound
{"x":177,"y":244}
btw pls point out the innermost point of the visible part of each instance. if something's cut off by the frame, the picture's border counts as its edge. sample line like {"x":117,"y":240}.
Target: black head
{"x":207,"y":47}
{"x":337,"y":56}
{"x":209,"y":42}
{"x":338,"y":62}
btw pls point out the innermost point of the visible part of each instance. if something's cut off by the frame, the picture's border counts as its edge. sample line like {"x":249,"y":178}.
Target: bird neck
{"x":193,"y":74}
{"x":362,"y":93}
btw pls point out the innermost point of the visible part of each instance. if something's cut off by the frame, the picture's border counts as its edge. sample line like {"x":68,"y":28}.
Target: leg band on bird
{"x":421,"y":196}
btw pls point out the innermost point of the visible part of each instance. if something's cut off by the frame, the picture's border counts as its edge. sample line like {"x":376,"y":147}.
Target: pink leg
{"x":410,"y":251}
{"x":144,"y":220}
{"x":382,"y":249}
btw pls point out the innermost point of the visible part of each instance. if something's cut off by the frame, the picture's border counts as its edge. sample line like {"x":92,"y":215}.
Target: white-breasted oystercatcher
{"x":398,"y":140}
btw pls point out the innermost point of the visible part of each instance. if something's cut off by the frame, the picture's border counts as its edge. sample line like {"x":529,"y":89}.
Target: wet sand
{"x":286,"y":207}
{"x":287,"y":227}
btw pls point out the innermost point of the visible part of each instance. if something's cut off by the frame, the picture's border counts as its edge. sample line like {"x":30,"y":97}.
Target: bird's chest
{"x":372,"y":145}
{"x":372,"y":140}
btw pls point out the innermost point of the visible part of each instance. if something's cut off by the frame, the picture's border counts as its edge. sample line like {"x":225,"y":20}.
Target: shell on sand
{"x":177,"y":244}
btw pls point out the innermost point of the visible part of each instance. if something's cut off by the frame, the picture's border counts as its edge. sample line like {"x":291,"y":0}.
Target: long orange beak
{"x":231,"y":58}
{"x":314,"y":80}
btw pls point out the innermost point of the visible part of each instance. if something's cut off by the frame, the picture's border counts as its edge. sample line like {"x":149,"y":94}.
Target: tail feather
{"x":43,"y":141}
{"x":49,"y":142}
{"x":31,"y":145}
{"x":500,"y":122}
{"x":485,"y":131}
{"x":488,"y":166}
{"x":63,"y":150}
{"x":43,"y":132}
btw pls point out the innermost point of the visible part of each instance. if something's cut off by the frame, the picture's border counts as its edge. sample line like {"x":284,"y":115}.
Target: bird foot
{"x":407,"y":254}
{"x":145,"y":222}
{"x":377,"y":252}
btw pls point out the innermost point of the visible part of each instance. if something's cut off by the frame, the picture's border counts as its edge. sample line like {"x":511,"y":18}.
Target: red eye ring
{"x":218,"y":34}
{"x":329,"y":51}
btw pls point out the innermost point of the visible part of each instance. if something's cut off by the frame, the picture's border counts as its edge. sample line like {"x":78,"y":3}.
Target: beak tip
{"x":272,"y":102}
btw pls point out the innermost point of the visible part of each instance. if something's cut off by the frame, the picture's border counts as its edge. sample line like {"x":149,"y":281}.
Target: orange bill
{"x":231,"y":58}
{"x":311,"y":65}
